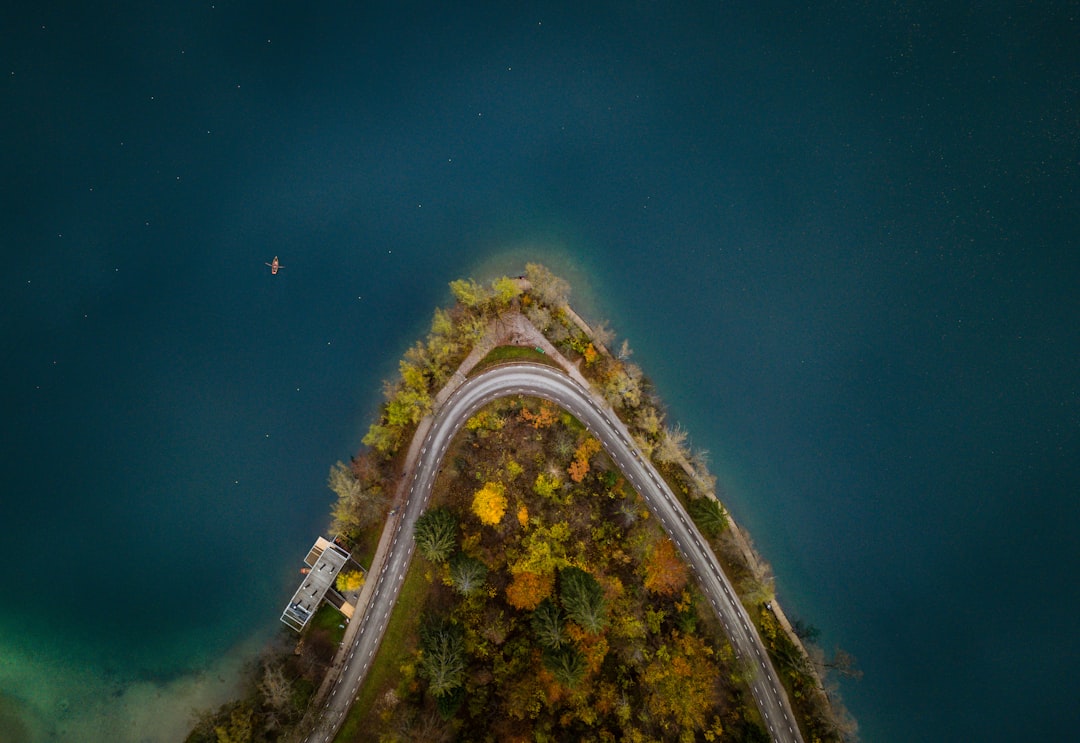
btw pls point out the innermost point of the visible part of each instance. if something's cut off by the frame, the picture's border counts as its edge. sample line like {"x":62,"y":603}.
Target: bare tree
{"x":603,"y":334}
{"x":276,"y":690}
{"x":672,"y":445}
{"x":843,"y":663}
{"x":623,"y":388}
{"x":546,"y":286}
{"x":539,"y":316}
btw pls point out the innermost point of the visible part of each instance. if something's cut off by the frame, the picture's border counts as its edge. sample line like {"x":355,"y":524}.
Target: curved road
{"x":536,"y":380}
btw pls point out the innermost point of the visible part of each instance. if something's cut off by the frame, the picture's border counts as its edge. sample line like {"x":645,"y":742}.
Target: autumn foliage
{"x":542,"y":419}
{"x":665,"y":572}
{"x":580,"y":466}
{"x":682,"y":684}
{"x":489,"y":503}
{"x":527,"y":590}
{"x":349,"y":580}
{"x":578,"y":469}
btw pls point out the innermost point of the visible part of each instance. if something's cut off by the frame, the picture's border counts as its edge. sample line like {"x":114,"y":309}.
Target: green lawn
{"x":400,"y":636}
{"x":329,"y":620}
{"x":503,"y":354}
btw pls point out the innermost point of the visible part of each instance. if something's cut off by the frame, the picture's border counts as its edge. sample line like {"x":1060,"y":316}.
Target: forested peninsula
{"x":546,"y":602}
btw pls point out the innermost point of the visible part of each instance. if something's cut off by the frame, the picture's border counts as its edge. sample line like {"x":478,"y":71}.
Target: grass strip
{"x":503,"y":354}
{"x":385,"y":673}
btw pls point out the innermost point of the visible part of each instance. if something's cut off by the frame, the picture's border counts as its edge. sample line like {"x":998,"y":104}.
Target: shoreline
{"x":512,"y":328}
{"x":741,"y":539}
{"x":532,"y":313}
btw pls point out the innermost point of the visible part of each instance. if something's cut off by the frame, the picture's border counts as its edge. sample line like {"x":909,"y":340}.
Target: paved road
{"x":542,"y":381}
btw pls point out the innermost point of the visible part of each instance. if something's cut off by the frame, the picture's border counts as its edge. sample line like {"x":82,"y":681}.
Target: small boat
{"x":274,"y":266}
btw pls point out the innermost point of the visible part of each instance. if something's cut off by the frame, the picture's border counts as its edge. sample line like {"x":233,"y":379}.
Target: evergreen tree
{"x":443,"y":660}
{"x":566,"y":664}
{"x":467,"y":573}
{"x":549,"y":625}
{"x":709,"y":515}
{"x":583,"y":599}
{"x":436,"y":534}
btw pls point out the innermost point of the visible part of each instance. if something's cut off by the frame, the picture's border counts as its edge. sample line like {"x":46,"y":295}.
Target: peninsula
{"x":577,"y":578}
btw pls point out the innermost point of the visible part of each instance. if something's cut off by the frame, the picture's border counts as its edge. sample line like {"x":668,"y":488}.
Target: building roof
{"x":325,"y":560}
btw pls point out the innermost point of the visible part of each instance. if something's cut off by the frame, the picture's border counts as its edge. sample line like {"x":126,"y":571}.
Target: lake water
{"x":843,"y":242}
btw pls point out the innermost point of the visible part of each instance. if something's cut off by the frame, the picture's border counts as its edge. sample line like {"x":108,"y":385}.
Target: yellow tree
{"x":489,"y":503}
{"x":349,"y":580}
{"x":239,"y":728}
{"x":505,"y":290}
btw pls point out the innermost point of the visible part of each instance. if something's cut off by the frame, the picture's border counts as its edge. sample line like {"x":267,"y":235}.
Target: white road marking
{"x":589,"y":412}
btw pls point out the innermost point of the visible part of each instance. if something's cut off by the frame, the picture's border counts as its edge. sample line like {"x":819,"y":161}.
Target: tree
{"x":239,"y":728}
{"x":546,"y":486}
{"x":412,"y":374}
{"x":546,"y":286}
{"x":549,"y":625}
{"x":407,"y":405}
{"x":467,"y":573}
{"x":349,"y":580}
{"x":436,"y":534}
{"x":578,"y":469}
{"x":580,"y":466}
{"x":384,"y":438}
{"x":542,"y":550}
{"x":583,"y":599}
{"x":649,"y":420}
{"x":672,"y":446}
{"x":539,"y":316}
{"x":357,"y":505}
{"x":759,"y":587}
{"x":709,"y":515}
{"x":622,"y":388}
{"x":414,"y":726}
{"x":528,"y":589}
{"x":442,"y":661}
{"x":680,"y":683}
{"x":844,"y":664}
{"x":343,"y":482}
{"x":489,"y":503}
{"x":505,"y":290}
{"x":442,"y":324}
{"x":470,"y":293}
{"x":275,"y":688}
{"x":603,"y":334}
{"x":665,"y":572}
{"x":704,"y":481}
{"x":546,"y":416}
{"x":566,"y":664}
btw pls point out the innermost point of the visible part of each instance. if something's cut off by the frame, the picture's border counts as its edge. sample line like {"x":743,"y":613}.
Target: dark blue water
{"x":842,"y":239}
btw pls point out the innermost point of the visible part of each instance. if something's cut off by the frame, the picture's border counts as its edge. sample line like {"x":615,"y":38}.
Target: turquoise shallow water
{"x":842,"y":242}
